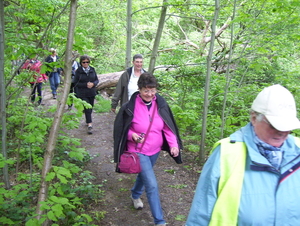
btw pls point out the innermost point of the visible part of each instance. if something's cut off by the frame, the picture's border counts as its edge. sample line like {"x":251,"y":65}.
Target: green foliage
{"x":102,"y":105}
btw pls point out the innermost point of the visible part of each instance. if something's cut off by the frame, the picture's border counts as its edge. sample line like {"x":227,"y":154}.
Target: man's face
{"x":138,"y":63}
{"x":267,"y":133}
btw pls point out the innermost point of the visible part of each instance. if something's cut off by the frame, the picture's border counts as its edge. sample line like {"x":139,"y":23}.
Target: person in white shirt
{"x":127,"y":84}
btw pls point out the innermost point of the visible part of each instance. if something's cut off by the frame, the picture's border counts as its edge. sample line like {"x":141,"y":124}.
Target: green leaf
{"x":51,"y":215}
{"x":6,"y":221}
{"x":50,"y":176}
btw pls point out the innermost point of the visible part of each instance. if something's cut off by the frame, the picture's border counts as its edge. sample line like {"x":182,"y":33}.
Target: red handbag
{"x":129,"y":163}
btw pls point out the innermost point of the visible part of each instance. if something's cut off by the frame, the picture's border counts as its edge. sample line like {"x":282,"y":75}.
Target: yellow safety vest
{"x":232,"y":167}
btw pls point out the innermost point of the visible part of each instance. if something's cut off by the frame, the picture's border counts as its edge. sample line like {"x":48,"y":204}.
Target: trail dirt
{"x":177,"y":182}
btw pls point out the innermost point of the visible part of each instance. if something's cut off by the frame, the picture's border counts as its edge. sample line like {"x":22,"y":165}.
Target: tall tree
{"x":158,"y":36}
{"x":129,"y":33}
{"x":3,"y":96}
{"x":49,"y":153}
{"x":207,"y":82}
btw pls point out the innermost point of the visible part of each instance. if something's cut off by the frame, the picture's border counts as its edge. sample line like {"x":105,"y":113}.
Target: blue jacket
{"x":269,"y":197}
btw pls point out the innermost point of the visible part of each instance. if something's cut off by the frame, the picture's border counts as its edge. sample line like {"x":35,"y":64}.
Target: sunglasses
{"x":85,"y":62}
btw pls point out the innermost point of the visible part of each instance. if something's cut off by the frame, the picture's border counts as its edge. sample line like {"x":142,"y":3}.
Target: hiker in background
{"x":252,"y":178}
{"x":149,"y":114}
{"x":75,"y":66}
{"x":86,"y":80}
{"x":127,"y":83}
{"x":53,"y":72}
{"x":33,"y":66}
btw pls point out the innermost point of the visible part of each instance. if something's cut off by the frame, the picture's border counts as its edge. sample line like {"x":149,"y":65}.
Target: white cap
{"x":279,"y":107}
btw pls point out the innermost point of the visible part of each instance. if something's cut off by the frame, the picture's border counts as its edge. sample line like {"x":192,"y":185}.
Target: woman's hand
{"x":174,"y":151}
{"x":138,"y":138}
{"x":90,"y":85}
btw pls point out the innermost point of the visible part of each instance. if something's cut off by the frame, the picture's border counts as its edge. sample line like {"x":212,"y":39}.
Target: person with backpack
{"x":252,"y":178}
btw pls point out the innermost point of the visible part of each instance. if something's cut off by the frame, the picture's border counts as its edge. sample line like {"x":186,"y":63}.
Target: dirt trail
{"x":176,"y":181}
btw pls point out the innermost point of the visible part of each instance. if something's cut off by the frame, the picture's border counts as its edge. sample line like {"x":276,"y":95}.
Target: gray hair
{"x":259,"y":116}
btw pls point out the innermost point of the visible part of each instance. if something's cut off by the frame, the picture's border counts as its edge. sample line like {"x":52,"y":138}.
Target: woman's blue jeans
{"x":146,"y":179}
{"x":54,"y":80}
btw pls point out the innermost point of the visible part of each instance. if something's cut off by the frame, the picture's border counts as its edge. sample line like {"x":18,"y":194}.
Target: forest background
{"x":212,"y":59}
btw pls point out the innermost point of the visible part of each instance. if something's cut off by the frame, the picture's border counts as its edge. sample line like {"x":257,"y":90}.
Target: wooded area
{"x":210,"y":57}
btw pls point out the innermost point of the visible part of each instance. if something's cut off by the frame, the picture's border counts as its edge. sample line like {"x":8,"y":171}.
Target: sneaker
{"x":89,"y":130}
{"x":137,"y":203}
{"x":54,"y":96}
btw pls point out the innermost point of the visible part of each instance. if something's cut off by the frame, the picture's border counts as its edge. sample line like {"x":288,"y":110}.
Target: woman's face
{"x":147,"y":94}
{"x":85,"y":63}
{"x":267,"y":133}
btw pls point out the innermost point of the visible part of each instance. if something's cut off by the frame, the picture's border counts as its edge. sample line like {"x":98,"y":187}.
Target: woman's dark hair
{"x":147,"y":80}
{"x":84,"y":57}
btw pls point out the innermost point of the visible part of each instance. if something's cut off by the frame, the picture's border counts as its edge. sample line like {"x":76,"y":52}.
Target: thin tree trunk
{"x":49,"y":153}
{"x":228,"y":78}
{"x":129,"y":33}
{"x":3,"y":97}
{"x":207,"y":82}
{"x":158,"y":36}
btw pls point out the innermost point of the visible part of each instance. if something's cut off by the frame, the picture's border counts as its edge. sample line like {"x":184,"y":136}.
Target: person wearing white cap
{"x":252,"y":177}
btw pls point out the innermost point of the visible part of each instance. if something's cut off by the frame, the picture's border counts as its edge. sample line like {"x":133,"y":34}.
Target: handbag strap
{"x":151,"y":121}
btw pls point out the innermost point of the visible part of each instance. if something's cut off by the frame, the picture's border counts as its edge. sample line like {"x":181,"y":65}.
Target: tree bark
{"x":3,"y":97}
{"x":129,"y":33}
{"x":158,"y":36}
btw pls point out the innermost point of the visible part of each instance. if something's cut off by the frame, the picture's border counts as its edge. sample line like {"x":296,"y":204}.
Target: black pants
{"x":72,"y":91}
{"x":36,"y":87}
{"x":88,"y":111}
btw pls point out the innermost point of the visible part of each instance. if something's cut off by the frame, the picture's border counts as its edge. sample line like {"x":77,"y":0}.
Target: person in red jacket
{"x":33,"y":67}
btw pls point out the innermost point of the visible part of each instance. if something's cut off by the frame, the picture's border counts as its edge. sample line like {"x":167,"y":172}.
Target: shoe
{"x":89,"y":130}
{"x":137,"y":203}
{"x":54,"y":96}
{"x":160,"y":224}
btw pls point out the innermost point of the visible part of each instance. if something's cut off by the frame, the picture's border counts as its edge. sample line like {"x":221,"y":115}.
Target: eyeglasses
{"x":146,"y":91}
{"x":85,"y":62}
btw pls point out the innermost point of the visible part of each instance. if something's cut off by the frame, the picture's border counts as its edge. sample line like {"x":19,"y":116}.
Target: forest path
{"x":176,"y":181}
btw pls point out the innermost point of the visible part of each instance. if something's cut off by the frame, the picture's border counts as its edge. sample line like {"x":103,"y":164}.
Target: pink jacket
{"x":140,"y":124}
{"x":35,"y":68}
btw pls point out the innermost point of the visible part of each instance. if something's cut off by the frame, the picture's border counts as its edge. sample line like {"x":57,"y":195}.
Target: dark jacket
{"x":121,"y":92}
{"x":123,"y":121}
{"x":81,"y":79}
{"x":50,"y":69}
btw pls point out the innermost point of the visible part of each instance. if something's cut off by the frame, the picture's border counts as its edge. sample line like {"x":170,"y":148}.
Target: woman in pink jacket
{"x":147,"y":109}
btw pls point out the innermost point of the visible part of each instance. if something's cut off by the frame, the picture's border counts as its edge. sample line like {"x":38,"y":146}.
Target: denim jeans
{"x":146,"y":179}
{"x":54,"y":80}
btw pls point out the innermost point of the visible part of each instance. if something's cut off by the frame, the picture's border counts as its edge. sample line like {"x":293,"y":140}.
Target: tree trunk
{"x":49,"y":153}
{"x":129,"y":33}
{"x":108,"y":80}
{"x":228,"y":76}
{"x":158,"y":36}
{"x":3,"y":97}
{"x":207,"y":82}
